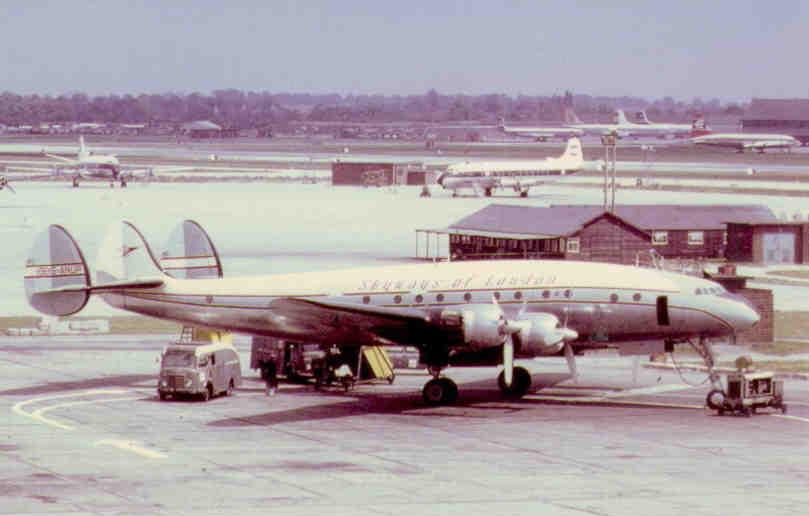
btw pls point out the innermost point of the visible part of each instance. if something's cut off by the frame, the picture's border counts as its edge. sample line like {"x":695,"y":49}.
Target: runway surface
{"x":84,"y":433}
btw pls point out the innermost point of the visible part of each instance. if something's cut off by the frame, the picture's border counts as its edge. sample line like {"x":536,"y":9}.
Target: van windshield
{"x":178,"y":359}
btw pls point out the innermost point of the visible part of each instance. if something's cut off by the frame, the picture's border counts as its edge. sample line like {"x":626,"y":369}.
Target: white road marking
{"x":655,"y":389}
{"x":614,"y":398}
{"x":37,"y":415}
{"x":131,"y":447}
{"x":793,"y":418}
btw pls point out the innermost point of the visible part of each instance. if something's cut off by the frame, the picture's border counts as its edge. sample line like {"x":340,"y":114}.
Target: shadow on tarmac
{"x":126,"y":380}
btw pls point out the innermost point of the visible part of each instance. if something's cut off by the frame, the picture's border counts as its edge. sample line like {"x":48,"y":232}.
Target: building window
{"x":572,"y":245}
{"x":660,"y":238}
{"x":696,"y":238}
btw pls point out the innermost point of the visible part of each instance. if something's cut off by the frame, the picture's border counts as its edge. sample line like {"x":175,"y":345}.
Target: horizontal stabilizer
{"x":56,"y":277}
{"x":190,"y":253}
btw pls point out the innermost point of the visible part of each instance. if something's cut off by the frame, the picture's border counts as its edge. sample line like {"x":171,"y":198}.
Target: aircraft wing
{"x":765,"y":144}
{"x":63,"y":159}
{"x":356,"y":322}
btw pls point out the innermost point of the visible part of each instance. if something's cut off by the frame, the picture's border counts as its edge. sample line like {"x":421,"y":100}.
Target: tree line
{"x":242,"y":110}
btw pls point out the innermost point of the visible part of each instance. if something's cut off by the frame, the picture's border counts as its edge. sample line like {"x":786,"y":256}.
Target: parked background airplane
{"x":459,"y":313}
{"x":519,"y":175}
{"x":572,"y":120}
{"x":747,"y":141}
{"x":539,"y":133}
{"x":104,"y":166}
{"x":658,"y":130}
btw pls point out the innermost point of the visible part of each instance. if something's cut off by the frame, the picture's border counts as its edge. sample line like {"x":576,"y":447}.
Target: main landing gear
{"x":440,"y":390}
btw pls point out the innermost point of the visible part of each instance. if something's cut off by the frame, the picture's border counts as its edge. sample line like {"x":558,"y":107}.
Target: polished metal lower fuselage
{"x":598,"y":315}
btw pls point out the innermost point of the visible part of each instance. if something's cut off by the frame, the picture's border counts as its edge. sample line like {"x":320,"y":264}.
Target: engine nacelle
{"x":540,"y":334}
{"x":481,"y":326}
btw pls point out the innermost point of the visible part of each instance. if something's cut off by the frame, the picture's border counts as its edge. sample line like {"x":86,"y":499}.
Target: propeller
{"x":507,"y":329}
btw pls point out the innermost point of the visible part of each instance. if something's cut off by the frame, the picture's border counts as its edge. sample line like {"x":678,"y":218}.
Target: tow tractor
{"x":747,"y":391}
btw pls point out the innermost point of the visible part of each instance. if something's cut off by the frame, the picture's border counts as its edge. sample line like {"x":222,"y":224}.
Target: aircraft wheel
{"x":440,"y":391}
{"x":524,"y":193}
{"x":520,"y":383}
{"x":487,"y":192}
{"x":163,"y":395}
{"x":715,"y":400}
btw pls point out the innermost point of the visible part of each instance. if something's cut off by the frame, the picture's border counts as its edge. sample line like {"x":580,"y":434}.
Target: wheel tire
{"x":163,"y":396}
{"x":711,"y":400}
{"x":450,"y":391}
{"x":207,"y":393}
{"x":229,"y":392}
{"x":433,"y":392}
{"x":783,"y":408}
{"x":520,"y":383}
{"x":440,"y":391}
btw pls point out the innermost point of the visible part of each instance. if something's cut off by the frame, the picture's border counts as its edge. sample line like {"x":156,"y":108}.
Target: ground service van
{"x":201,"y":370}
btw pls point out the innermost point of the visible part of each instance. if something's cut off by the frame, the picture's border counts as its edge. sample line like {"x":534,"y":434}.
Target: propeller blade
{"x":508,"y":360}
{"x":571,"y":361}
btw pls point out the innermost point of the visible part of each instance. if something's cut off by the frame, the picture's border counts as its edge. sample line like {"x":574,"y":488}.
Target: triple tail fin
{"x":56,"y":277}
{"x":125,"y":255}
{"x":57,"y":280}
{"x":190,"y":253}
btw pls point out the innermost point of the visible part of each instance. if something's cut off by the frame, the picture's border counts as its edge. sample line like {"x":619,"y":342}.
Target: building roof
{"x":201,"y":125}
{"x":562,"y":220}
{"x":779,"y":109}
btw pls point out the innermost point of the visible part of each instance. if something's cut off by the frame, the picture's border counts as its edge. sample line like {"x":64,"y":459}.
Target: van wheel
{"x":207,"y":393}
{"x":230,"y":388}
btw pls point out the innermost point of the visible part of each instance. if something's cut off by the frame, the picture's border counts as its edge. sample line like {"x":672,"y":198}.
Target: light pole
{"x":609,"y":141}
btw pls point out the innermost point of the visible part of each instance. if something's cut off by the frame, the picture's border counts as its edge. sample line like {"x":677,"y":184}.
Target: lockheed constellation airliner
{"x":470,"y":313}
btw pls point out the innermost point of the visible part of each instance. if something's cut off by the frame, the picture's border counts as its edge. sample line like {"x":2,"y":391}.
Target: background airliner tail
{"x":83,"y":154}
{"x":570,"y":116}
{"x":573,"y":150}
{"x":620,"y":117}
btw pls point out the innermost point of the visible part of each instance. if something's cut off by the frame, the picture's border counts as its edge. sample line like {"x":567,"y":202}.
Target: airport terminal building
{"x":778,"y":116}
{"x":581,"y":232}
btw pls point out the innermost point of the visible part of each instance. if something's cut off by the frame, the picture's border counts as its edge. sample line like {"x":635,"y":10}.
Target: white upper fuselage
{"x":746,"y":140}
{"x":543,"y":132}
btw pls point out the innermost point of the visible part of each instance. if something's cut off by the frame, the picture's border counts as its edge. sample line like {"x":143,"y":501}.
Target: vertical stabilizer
{"x":573,"y":150}
{"x":83,"y":154}
{"x":641,"y":118}
{"x":56,"y":277}
{"x":571,"y":117}
{"x":190,"y":253}
{"x":620,"y":117}
{"x":125,"y":255}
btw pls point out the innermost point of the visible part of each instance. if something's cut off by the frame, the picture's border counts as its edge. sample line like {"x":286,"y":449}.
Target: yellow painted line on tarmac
{"x":18,"y":408}
{"x":131,"y":447}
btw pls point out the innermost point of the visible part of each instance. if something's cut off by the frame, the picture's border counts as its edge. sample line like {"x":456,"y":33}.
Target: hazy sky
{"x":729,"y":49}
